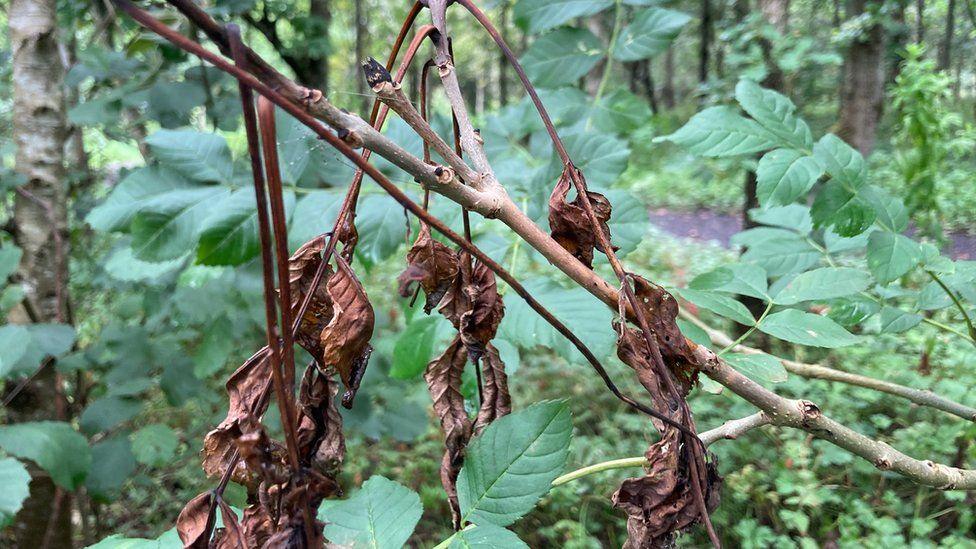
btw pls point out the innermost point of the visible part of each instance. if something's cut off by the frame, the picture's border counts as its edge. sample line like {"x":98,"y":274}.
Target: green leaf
{"x":486,"y":536}
{"x":601,"y":158}
{"x":216,"y":346}
{"x":891,"y":255}
{"x":694,"y":333}
{"x":417,"y":345}
{"x":721,"y":131}
{"x":112,"y":464}
{"x":853,"y":310}
{"x":9,"y":260}
{"x":315,"y":214}
{"x":562,"y":57}
{"x":124,"y":266}
{"x":759,"y":367}
{"x":845,"y":210}
{"x":15,"y":481}
{"x":719,"y":304}
{"x":107,"y":412}
{"x":168,"y":225}
{"x":575,"y":307}
{"x":807,"y":329}
{"x":795,"y":217}
{"x":135,"y":191}
{"x":513,"y":463}
{"x":783,"y":175}
{"x":841,"y":161}
{"x":52,"y":445}
{"x":155,"y":445}
{"x":619,"y":112}
{"x":891,"y":210}
{"x":381,"y":515}
{"x":823,"y":284}
{"x":201,"y":156}
{"x":650,"y":33}
{"x":896,"y":321}
{"x":775,"y":112}
{"x":781,"y":253}
{"x":382,"y":228}
{"x":14,"y":342}
{"x":229,"y":235}
{"x":628,"y":221}
{"x":932,"y":298}
{"x":47,"y":340}
{"x":738,"y":278}
{"x":536,"y":16}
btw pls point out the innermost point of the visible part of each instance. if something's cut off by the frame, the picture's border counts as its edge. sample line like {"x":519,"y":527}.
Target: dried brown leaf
{"x":247,"y":389}
{"x":495,"y":398}
{"x":569,"y":224}
{"x":338,"y":322}
{"x":475,"y":308}
{"x":662,"y":312}
{"x":231,"y":536}
{"x":443,"y":377}
{"x":256,"y":526}
{"x":195,"y":522}
{"x":433,"y":265}
{"x":320,"y":439}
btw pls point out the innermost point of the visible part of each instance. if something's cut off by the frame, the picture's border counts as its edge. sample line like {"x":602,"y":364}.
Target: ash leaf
{"x":570,"y":225}
{"x":495,"y":398}
{"x":433,"y":265}
{"x":195,"y":522}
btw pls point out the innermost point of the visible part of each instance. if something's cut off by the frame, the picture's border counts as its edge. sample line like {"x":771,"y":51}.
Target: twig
{"x":816,"y":371}
{"x":280,"y":379}
{"x":729,"y":430}
{"x":959,"y":305}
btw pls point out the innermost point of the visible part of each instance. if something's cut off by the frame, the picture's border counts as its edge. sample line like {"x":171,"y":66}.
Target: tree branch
{"x":782,"y":411}
{"x":918,"y":396}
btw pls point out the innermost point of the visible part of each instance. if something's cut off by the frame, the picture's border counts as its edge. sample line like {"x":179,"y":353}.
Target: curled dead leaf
{"x":433,"y":265}
{"x":231,"y":535}
{"x":495,"y":398}
{"x":443,"y":376}
{"x":320,"y":439}
{"x":475,"y":308}
{"x":662,"y":312}
{"x":196,"y":522}
{"x":569,"y":224}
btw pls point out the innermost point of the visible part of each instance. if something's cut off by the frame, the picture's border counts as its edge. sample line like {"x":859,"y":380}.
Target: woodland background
{"x":132,"y":333}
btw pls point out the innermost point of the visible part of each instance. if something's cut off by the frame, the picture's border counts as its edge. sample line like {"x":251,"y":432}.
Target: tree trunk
{"x":776,"y":13}
{"x":667,"y":90}
{"x":862,"y":88}
{"x":317,"y":68}
{"x":704,"y":40}
{"x":361,"y":33}
{"x":899,"y":37}
{"x":919,"y":20}
{"x":945,"y":48}
{"x":40,"y":229}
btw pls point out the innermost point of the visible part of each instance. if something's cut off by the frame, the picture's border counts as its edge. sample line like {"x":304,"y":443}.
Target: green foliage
{"x":806,"y":329}
{"x":540,"y":15}
{"x":562,"y":56}
{"x":649,"y":33}
{"x":513,"y":462}
{"x":486,"y":536}
{"x":382,"y":515}
{"x":15,"y":480}
{"x":54,"y":446}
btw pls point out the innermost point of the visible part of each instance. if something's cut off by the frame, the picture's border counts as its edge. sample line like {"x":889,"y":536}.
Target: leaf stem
{"x":748,"y":332}
{"x":959,"y":305}
{"x":600,"y":467}
{"x":618,"y":13}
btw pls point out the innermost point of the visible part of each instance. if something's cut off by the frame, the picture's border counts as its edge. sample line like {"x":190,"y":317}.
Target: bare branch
{"x":816,"y":371}
{"x":803,"y":414}
{"x":734,"y":428}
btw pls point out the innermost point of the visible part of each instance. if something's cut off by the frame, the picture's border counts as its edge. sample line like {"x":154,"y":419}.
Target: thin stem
{"x":740,"y":339}
{"x":955,"y":299}
{"x":618,"y":16}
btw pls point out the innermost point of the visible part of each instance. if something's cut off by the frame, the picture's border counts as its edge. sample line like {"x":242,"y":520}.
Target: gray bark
{"x":862,"y":87}
{"x":40,"y":229}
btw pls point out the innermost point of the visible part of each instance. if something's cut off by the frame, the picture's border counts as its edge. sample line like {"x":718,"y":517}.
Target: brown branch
{"x":764,"y":399}
{"x":816,"y":371}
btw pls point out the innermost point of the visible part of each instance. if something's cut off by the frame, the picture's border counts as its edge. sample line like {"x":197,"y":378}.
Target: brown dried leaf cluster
{"x":335,"y":330}
{"x":467,"y":295}
{"x":569,"y":224}
{"x":662,"y":502}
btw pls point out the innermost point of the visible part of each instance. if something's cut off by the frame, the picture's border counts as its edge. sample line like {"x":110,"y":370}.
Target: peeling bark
{"x":40,"y":229}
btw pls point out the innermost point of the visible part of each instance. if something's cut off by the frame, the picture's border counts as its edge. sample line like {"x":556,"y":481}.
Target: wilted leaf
{"x":569,"y":223}
{"x":495,"y":398}
{"x":433,"y":265}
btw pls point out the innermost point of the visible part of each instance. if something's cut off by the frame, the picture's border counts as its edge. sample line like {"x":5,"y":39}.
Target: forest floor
{"x":708,"y":225}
